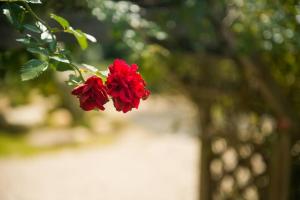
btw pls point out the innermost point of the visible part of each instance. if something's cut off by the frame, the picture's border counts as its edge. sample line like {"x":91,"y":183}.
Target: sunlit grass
{"x":12,"y":145}
{"x":17,"y":145}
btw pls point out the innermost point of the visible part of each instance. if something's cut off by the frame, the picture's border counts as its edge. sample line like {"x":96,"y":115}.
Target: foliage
{"x":242,"y":55}
{"x":93,"y":93}
{"x":199,"y":46}
{"x":129,"y":28}
{"x":40,"y":39}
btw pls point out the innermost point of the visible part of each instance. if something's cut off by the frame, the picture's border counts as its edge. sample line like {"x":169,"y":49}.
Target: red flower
{"x":92,"y":94}
{"x":125,"y":85}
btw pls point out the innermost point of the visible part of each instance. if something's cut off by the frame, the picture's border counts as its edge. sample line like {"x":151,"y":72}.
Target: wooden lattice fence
{"x":245,"y":160}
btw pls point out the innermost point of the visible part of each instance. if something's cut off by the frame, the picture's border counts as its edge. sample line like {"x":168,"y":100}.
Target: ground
{"x":145,"y":162}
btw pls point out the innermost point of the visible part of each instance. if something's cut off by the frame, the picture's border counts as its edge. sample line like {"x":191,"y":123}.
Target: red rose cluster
{"x":124,"y":85}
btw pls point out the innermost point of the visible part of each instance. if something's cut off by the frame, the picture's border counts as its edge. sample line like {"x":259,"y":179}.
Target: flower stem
{"x":78,"y":70}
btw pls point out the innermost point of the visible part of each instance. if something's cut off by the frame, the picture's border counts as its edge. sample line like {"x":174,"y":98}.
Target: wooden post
{"x":205,"y":181}
{"x":205,"y":154}
{"x":280,"y":168}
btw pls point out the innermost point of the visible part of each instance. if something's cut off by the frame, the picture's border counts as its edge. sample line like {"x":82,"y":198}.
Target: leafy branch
{"x":40,"y":39}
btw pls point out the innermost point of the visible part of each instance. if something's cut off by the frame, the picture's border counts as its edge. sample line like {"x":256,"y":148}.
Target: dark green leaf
{"x":24,"y":40}
{"x":28,"y":41}
{"x":28,"y":1}
{"x":15,"y":14}
{"x":66,"y":54}
{"x":32,"y":28}
{"x":47,"y":36}
{"x":59,"y":59}
{"x":33,"y":69}
{"x":41,"y":26}
{"x":38,"y":50}
{"x":34,"y":1}
{"x":62,"y":21}
{"x":60,"y":64}
{"x":50,"y":39}
{"x":52,"y":45}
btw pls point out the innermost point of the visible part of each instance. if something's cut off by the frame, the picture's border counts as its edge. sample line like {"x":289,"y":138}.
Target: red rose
{"x":92,"y":94}
{"x":125,"y":85}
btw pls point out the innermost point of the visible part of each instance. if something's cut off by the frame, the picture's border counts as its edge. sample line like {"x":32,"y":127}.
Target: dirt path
{"x":137,"y":167}
{"x":148,"y":162}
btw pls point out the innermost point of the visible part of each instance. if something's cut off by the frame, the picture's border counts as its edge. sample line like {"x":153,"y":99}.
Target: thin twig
{"x":36,"y":16}
{"x":78,"y":70}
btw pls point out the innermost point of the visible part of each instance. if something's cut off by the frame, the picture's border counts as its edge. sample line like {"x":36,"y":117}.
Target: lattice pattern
{"x":240,"y":159}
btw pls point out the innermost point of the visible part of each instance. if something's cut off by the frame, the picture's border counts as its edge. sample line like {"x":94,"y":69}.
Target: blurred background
{"x":222,"y":121}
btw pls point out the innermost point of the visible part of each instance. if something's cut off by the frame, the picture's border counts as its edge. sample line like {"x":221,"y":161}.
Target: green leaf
{"x":66,"y":53}
{"x":15,"y":14}
{"x":46,"y":36}
{"x":32,"y":28}
{"x":104,"y":73}
{"x":95,"y":70}
{"x":90,"y":37}
{"x":52,"y":45}
{"x":73,"y":80}
{"x":90,"y":68}
{"x":59,"y":59}
{"x":60,"y":64}
{"x":33,"y":69}
{"x":38,"y":50}
{"x":34,"y":1}
{"x":62,"y":21}
{"x":28,"y":41}
{"x":28,"y":1}
{"x":50,"y":39}
{"x":80,"y":37}
{"x":41,"y":26}
{"x":24,"y":40}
